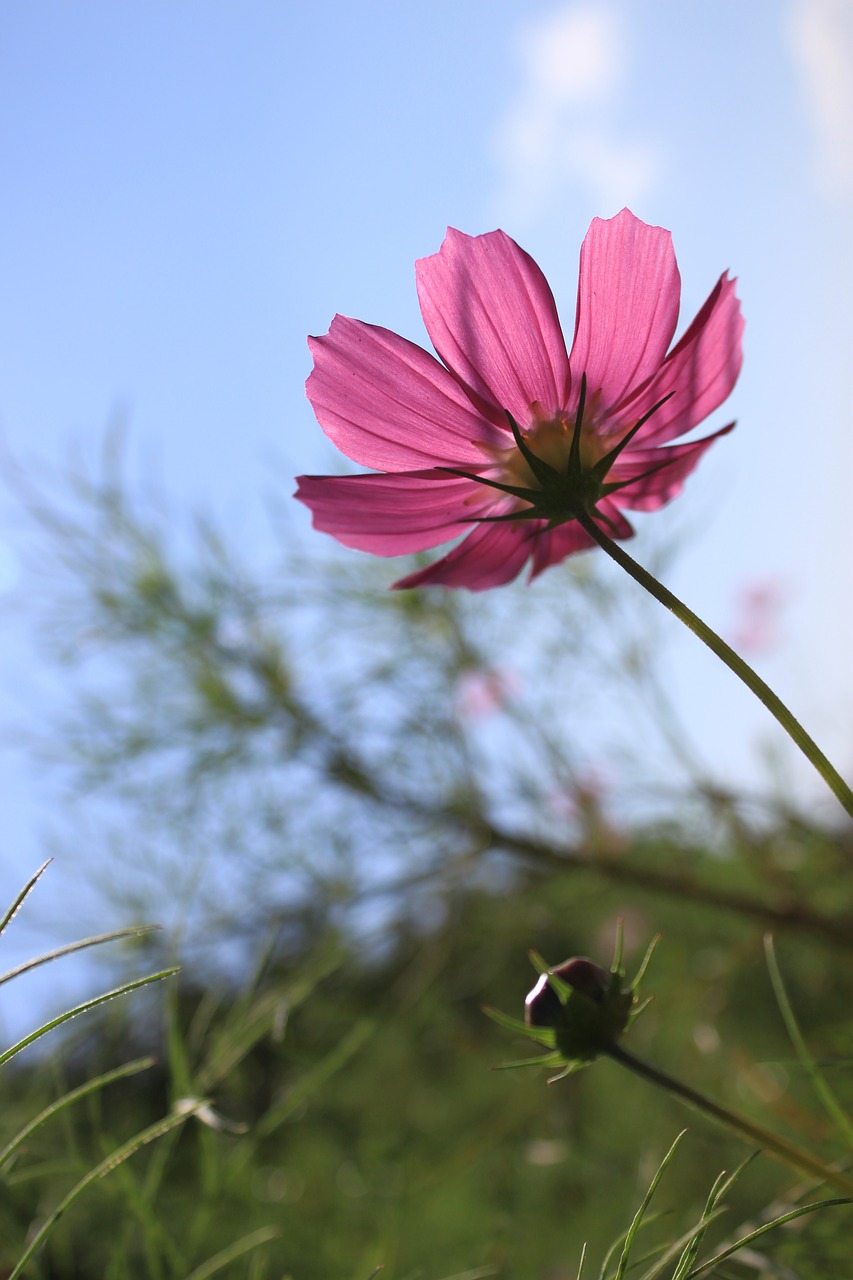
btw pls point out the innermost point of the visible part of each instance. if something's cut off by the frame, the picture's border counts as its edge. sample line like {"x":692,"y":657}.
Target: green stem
{"x":754,"y":1134}
{"x":741,"y":669}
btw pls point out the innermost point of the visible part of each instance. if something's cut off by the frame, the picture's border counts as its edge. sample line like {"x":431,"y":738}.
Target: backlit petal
{"x":701,"y":370}
{"x":653,"y":477}
{"x":492,"y":319}
{"x":628,"y":295}
{"x":390,"y":405}
{"x":395,"y":514}
{"x":553,"y":545}
{"x":490,"y":556}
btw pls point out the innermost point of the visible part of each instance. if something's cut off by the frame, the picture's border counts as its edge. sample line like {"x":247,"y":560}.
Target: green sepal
{"x":554,"y":1059}
{"x":570,"y":1069}
{"x":542,"y":1035}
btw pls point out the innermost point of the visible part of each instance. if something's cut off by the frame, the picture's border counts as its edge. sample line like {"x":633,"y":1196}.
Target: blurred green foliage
{"x":375,"y":1131}
{"x":356,"y":812}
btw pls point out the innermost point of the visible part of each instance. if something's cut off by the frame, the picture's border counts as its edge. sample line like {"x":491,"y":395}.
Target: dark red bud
{"x":542,"y":1005}
{"x":584,"y":1025}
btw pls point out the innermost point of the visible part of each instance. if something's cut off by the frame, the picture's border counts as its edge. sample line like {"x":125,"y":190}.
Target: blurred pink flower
{"x":760,"y":607}
{"x":479,"y":693}
{"x":582,"y":802}
{"x":512,"y":433}
{"x":583,"y":794}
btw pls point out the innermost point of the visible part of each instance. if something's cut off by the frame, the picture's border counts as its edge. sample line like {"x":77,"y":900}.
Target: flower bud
{"x":583,"y":1003}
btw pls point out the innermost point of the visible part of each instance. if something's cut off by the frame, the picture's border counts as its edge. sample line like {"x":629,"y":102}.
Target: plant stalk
{"x":733,"y":661}
{"x":755,"y":1135}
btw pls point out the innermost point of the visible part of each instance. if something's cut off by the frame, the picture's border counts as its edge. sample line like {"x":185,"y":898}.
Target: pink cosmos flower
{"x":513,"y":441}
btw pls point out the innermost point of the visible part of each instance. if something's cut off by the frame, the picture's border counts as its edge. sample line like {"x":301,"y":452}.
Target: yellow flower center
{"x":551,"y":440}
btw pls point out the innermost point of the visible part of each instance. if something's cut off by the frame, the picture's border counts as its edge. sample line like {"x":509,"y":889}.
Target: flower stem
{"x":733,"y":661}
{"x":755,"y":1134}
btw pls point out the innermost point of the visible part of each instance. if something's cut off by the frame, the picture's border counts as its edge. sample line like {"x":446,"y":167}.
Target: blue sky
{"x":192,"y":186}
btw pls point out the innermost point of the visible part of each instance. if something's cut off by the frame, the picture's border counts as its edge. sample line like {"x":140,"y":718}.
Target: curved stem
{"x":733,"y":661}
{"x":755,"y":1134}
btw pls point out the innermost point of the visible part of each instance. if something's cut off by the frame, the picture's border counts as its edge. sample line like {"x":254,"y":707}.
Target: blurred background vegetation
{"x":354,"y":812}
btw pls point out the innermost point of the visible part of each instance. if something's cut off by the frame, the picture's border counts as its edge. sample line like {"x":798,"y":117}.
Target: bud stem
{"x":754,"y":1134}
{"x":733,"y":661}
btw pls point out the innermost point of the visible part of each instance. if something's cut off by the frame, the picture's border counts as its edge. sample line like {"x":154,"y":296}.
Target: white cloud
{"x":573,"y":54}
{"x":561,"y":129}
{"x":820,"y":34}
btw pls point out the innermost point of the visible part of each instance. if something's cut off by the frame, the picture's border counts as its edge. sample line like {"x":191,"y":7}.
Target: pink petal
{"x":628,"y":294}
{"x":388,"y":404}
{"x":394,"y":514}
{"x":554,"y":545}
{"x":493,"y":320}
{"x":490,"y":556}
{"x":660,"y":473}
{"x":701,"y":370}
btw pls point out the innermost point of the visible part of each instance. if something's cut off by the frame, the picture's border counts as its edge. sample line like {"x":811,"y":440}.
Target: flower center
{"x":558,"y":468}
{"x":550,"y":440}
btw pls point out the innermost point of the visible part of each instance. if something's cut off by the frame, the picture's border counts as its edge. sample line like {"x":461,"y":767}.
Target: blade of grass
{"x":712,"y":1209}
{"x":830,"y":1103}
{"x":142,"y":1218}
{"x":30,"y":885}
{"x":133,"y":931}
{"x":618,"y":1243}
{"x":640,"y":1214}
{"x":235,"y":1039}
{"x":112,"y":1161}
{"x":688,"y":1257}
{"x":83,"y":1008}
{"x":310,"y":1082}
{"x":99,"y":1082}
{"x":233,"y":1251}
{"x":678,"y":1246}
{"x":762,"y":1230}
{"x":255,"y":1013}
{"x":314,"y":1079}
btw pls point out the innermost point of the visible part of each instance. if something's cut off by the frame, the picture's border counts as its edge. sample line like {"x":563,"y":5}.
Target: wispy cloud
{"x":820,"y":34}
{"x":562,"y":127}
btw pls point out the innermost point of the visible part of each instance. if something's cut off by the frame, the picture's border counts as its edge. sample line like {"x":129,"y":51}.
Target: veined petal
{"x":653,"y":477}
{"x":628,"y":295}
{"x":493,"y":320}
{"x":554,"y":545}
{"x":490,"y":556}
{"x":700,"y":371}
{"x":394,"y":514}
{"x":390,"y":405}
